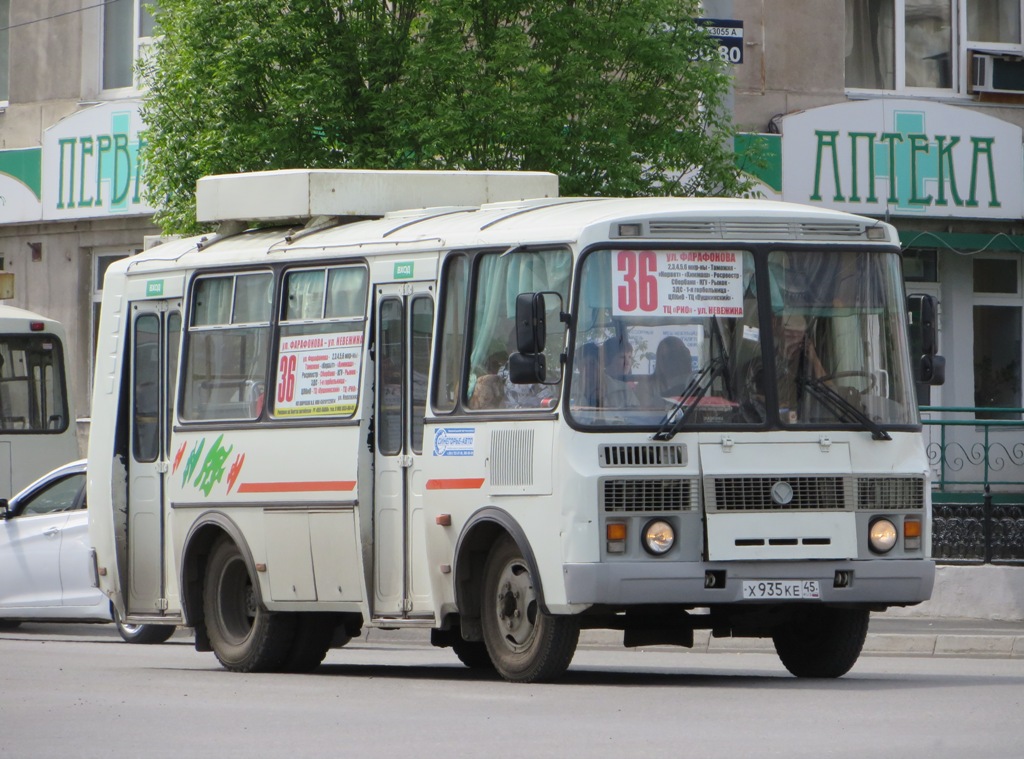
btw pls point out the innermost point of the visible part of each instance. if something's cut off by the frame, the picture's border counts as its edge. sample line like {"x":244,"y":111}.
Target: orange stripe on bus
{"x":470,"y":483}
{"x":297,"y":487}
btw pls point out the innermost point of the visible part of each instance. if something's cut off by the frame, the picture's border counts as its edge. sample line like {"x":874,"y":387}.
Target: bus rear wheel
{"x":821,"y":641}
{"x":472,"y":653}
{"x":525,"y":644}
{"x":314,"y":635}
{"x":244,"y":636}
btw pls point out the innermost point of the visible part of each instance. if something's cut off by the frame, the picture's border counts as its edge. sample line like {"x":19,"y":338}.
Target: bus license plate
{"x":780,"y":590}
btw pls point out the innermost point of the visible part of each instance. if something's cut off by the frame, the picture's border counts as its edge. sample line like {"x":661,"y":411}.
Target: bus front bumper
{"x":622,"y":584}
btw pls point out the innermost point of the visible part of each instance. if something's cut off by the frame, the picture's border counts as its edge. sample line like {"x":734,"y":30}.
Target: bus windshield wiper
{"x":840,"y":407}
{"x":689,"y":399}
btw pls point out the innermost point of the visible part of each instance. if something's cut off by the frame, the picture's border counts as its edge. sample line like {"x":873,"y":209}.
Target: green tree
{"x":617,"y":97}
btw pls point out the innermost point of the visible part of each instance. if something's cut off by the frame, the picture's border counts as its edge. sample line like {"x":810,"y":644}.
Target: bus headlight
{"x":659,"y":537}
{"x":882,"y":535}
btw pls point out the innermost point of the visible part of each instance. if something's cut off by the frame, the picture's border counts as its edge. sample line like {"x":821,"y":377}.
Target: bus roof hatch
{"x":307,"y":193}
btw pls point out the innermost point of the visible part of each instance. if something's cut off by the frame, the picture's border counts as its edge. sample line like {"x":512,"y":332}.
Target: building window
{"x":5,"y":50}
{"x":920,"y":265}
{"x":997,"y":336}
{"x":127,"y":33}
{"x":922,"y":46}
{"x":994,"y":21}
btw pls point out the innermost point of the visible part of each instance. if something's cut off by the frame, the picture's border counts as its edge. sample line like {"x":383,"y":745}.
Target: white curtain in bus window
{"x":346,"y":293}
{"x":227,"y":349}
{"x":500,"y":278}
{"x":304,"y":295}
{"x":319,"y":353}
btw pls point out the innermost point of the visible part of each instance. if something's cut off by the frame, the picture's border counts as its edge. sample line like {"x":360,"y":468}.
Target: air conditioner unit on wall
{"x":997,"y":73}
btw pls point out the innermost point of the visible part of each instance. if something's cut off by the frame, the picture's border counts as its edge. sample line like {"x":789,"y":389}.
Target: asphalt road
{"x":78,"y":691}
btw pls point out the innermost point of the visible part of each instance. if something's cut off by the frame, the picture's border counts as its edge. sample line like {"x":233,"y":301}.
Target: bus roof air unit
{"x":355,"y":193}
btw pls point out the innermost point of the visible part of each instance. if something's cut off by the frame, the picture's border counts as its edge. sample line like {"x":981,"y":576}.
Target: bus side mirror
{"x":922,"y":312}
{"x":932,"y":370}
{"x":528,"y":365}
{"x":527,"y":369}
{"x":531,"y":327}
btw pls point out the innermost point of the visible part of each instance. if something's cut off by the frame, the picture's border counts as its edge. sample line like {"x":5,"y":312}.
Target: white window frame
{"x":1014,"y":48}
{"x":5,"y":23}
{"x":140,"y":45}
{"x":960,"y":63}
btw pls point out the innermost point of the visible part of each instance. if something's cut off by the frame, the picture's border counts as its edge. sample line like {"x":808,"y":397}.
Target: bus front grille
{"x":642,"y":455}
{"x":775,"y":493}
{"x":642,"y":495}
{"x":889,"y":493}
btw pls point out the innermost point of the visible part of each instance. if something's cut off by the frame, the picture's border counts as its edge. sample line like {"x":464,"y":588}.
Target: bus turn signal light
{"x":615,"y":532}
{"x":911,"y":534}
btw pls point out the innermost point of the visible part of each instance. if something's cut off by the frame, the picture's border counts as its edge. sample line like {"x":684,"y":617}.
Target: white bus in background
{"x":507,"y":420}
{"x":37,"y":423}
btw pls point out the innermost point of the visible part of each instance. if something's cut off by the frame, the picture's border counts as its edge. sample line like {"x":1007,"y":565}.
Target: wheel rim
{"x":516,"y":607}
{"x":237,"y":601}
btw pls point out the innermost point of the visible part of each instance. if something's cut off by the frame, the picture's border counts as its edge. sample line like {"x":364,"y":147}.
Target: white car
{"x":46,"y":566}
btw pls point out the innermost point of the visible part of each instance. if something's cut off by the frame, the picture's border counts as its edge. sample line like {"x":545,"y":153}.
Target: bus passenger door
{"x":156,"y":329}
{"x":404,"y":324}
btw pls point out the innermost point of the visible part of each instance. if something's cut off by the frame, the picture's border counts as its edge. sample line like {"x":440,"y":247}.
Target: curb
{"x":877,"y":644}
{"x":995,"y":645}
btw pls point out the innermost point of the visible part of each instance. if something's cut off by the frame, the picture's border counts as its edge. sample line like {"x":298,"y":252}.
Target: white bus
{"x":37,"y":423}
{"x":505,"y":421}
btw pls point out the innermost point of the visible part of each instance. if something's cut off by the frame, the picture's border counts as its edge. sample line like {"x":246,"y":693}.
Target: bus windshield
{"x":679,"y":339}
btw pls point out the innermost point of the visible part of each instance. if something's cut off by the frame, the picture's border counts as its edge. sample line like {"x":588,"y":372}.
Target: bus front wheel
{"x":525,"y":644}
{"x":822,"y":641}
{"x":244,"y":636}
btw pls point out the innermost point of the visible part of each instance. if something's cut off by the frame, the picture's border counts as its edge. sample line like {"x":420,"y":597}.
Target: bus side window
{"x":227,"y":353}
{"x":451,"y":333}
{"x":13,"y":403}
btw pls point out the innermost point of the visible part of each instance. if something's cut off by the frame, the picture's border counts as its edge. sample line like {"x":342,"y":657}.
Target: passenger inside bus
{"x":796,"y":357}
{"x":587,"y":387}
{"x":495,"y":389}
{"x":617,"y":390}
{"x":673,"y":368}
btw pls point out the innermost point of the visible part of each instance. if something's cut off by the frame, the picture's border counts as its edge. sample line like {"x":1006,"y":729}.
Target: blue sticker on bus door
{"x":454,"y":441}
